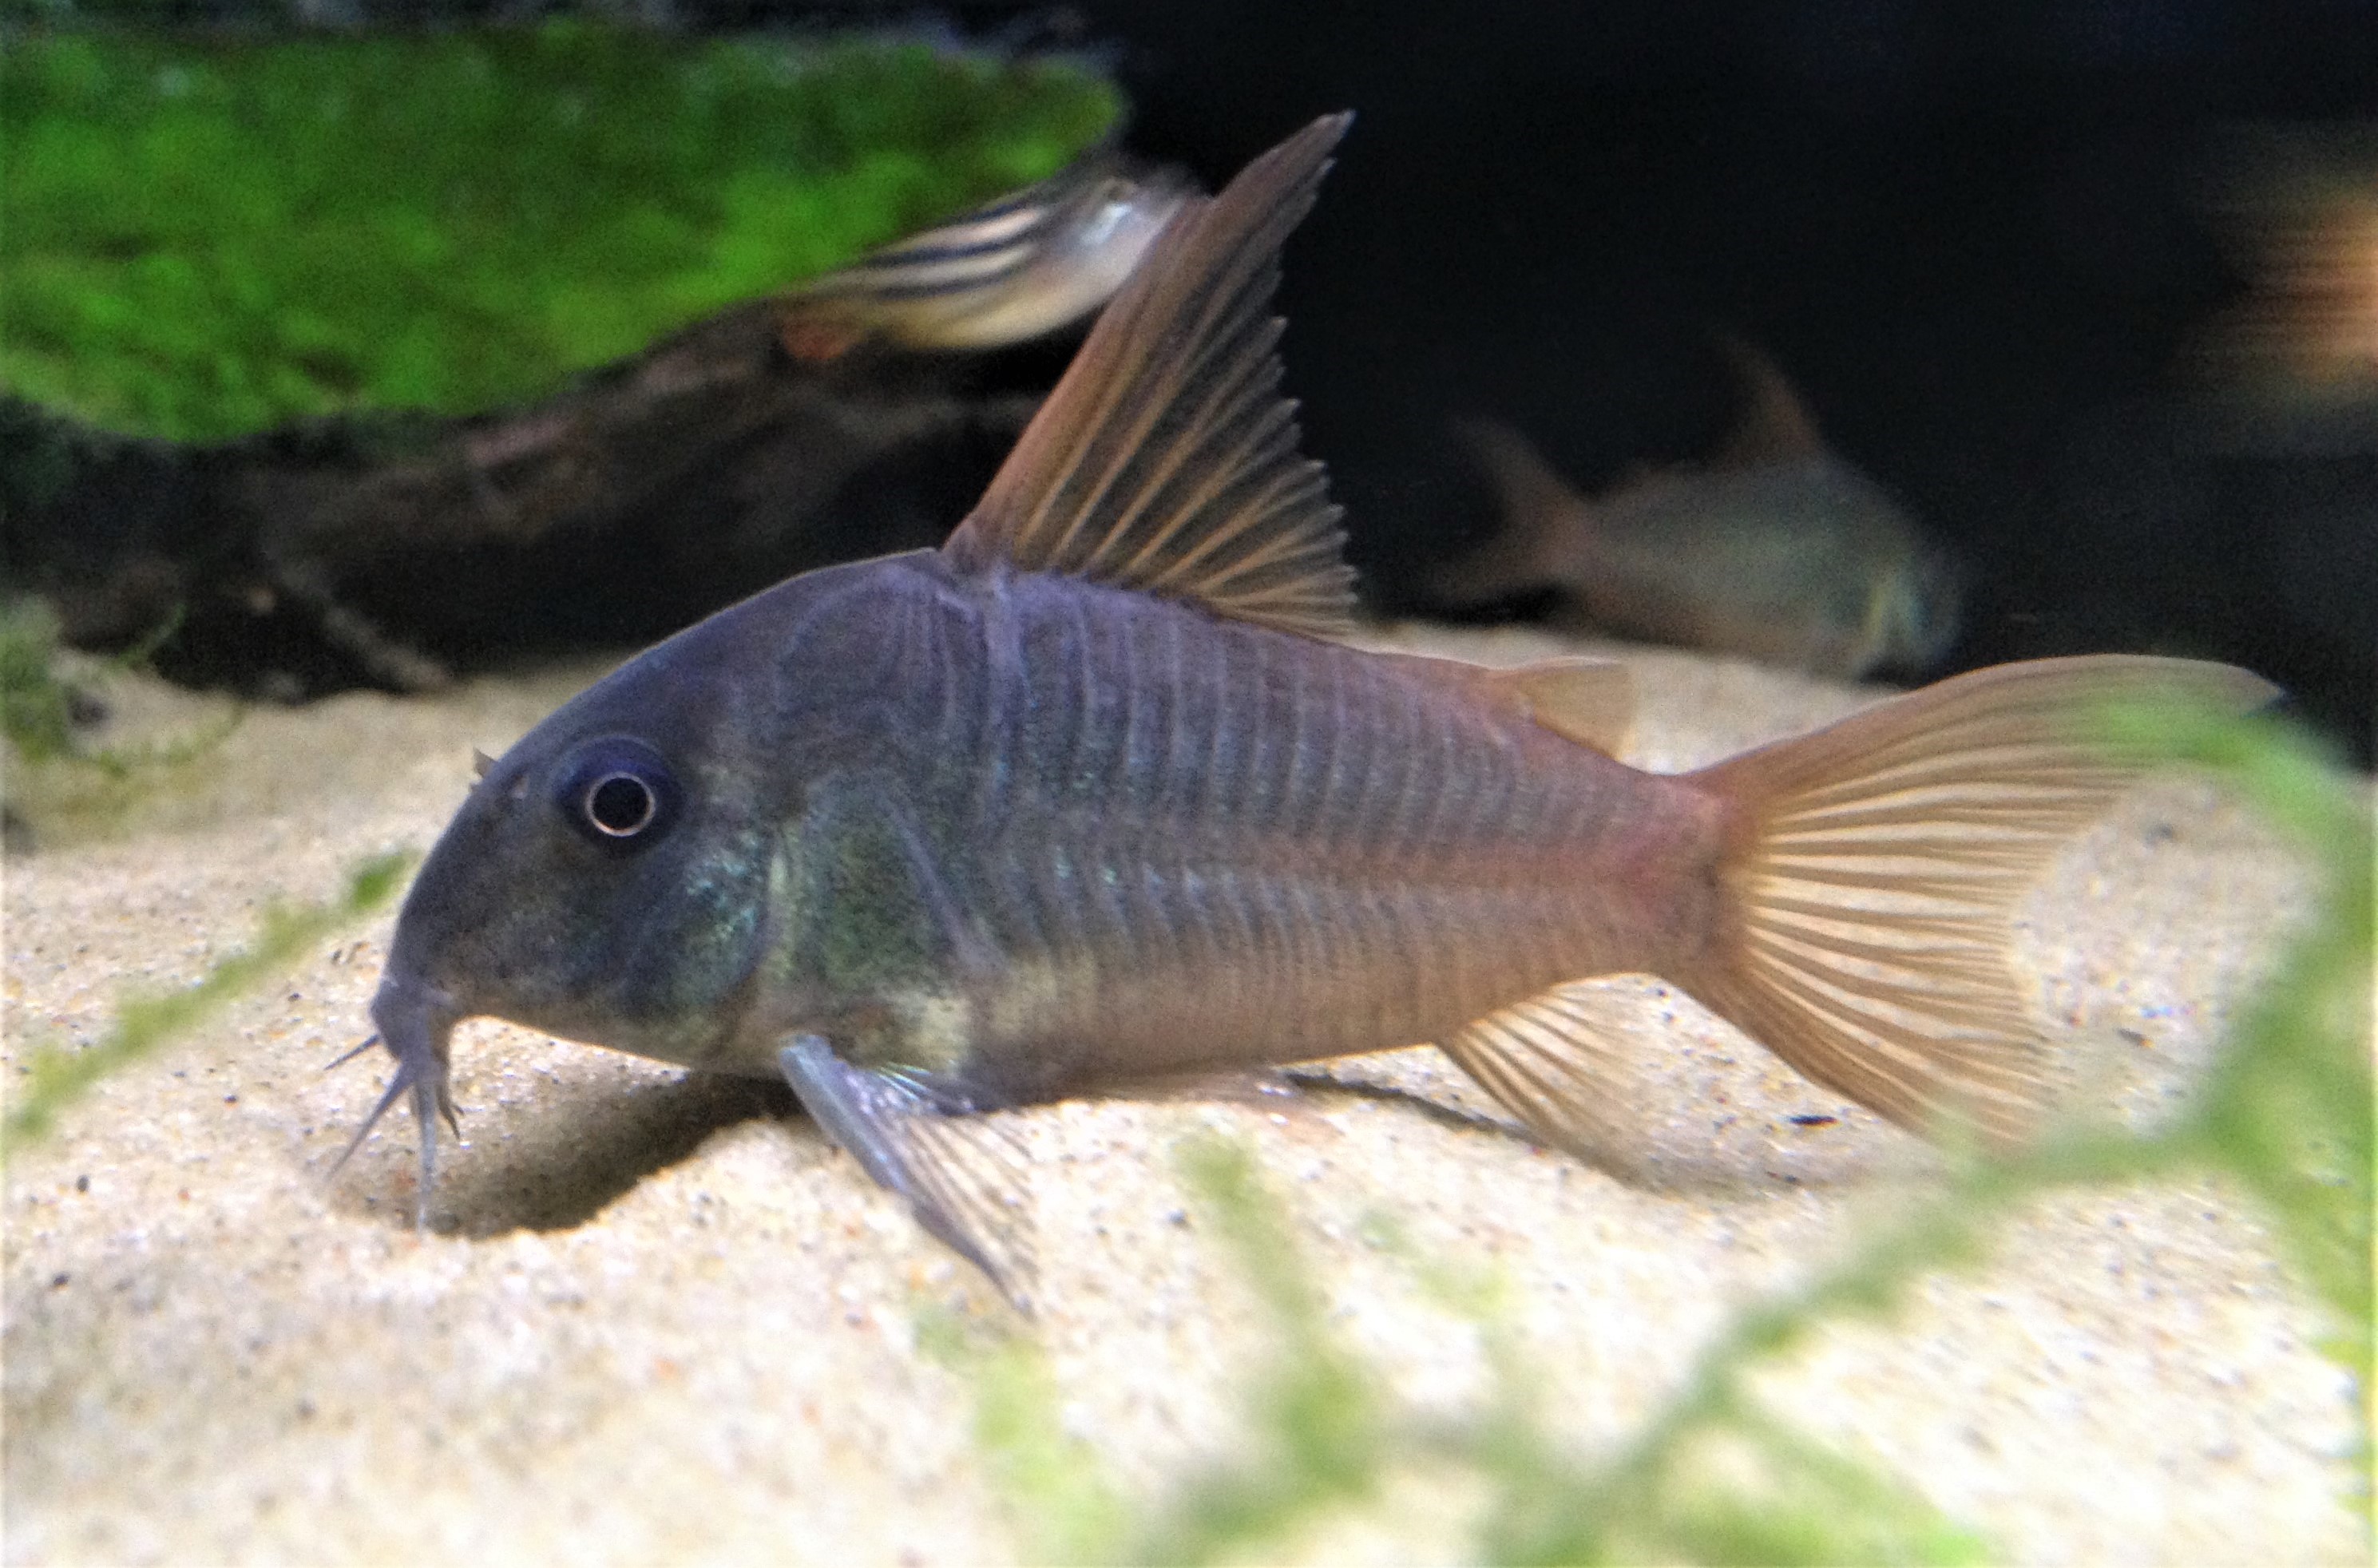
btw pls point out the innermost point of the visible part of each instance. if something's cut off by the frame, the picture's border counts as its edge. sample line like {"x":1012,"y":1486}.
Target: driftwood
{"x":396,"y":550}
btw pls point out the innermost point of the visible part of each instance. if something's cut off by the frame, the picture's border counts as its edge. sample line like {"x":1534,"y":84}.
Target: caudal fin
{"x":1872,"y":868}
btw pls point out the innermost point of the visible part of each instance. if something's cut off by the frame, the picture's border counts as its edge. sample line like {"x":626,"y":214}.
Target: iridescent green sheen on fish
{"x":1093,"y":796}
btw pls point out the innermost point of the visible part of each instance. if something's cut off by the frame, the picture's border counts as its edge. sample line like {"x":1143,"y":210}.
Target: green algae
{"x":207,"y":237}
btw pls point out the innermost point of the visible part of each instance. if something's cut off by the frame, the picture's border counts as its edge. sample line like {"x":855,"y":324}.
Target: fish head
{"x":1914,"y":610}
{"x":606,"y":879}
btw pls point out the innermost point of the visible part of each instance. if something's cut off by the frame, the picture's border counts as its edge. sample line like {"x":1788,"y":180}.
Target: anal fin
{"x":965,"y":1177}
{"x":1545,"y":1060}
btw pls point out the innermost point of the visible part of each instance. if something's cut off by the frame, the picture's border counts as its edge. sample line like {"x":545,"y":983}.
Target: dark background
{"x":1974,"y":233}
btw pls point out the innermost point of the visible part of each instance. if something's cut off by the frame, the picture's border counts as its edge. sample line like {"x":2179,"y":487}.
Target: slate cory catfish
{"x":1090,"y":795}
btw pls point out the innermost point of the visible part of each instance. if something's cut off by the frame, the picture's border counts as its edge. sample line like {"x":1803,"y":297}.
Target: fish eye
{"x":621,"y":805}
{"x":618,"y":793}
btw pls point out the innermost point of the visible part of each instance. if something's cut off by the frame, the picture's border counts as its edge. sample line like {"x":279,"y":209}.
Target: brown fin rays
{"x":1869,"y":881}
{"x":1166,"y":460}
{"x":1875,"y":864}
{"x":1546,"y":1062}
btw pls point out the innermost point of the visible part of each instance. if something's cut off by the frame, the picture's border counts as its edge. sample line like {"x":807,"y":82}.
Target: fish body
{"x":1035,"y":833}
{"x":1779,"y":550}
{"x":1091,"y":795}
{"x":1019,"y":268}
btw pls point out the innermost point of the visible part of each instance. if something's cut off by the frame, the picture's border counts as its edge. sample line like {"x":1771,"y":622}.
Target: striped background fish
{"x":1024,"y":266}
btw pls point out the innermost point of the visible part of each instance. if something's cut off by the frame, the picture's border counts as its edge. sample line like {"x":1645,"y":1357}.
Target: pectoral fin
{"x":963,"y":1174}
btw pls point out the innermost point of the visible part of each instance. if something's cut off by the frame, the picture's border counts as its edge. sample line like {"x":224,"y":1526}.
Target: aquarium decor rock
{"x":207,"y":238}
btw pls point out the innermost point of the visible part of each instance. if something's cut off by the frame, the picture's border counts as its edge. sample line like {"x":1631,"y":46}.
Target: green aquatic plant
{"x":52,"y":784}
{"x":50,"y":1078}
{"x":1326,"y":1431}
{"x":2287,"y":1111}
{"x":36,"y":707}
{"x":209,"y":236}
{"x":1065,"y":1507}
{"x":1714,"y":1475}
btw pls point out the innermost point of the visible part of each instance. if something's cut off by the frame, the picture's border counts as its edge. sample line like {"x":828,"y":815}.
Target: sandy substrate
{"x":663,"y":1320}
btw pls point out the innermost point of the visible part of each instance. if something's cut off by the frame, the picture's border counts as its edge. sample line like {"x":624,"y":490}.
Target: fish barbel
{"x":1089,"y":797}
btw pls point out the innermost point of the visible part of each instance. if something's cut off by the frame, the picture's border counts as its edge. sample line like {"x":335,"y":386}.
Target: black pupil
{"x":621,"y":805}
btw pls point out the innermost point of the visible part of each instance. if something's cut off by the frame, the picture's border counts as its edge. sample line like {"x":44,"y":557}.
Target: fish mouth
{"x":417,"y":1021}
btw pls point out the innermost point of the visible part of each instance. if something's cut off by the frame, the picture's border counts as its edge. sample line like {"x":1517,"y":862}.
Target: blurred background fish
{"x":1027,"y":265}
{"x":1776,"y":548}
{"x":2293,"y":365}
{"x":2276,"y":417}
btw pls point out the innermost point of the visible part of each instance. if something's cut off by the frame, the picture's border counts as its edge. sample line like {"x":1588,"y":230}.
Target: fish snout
{"x":417,"y":1022}
{"x":1915,"y":615}
{"x":1936,"y":609}
{"x":415,"y":1018}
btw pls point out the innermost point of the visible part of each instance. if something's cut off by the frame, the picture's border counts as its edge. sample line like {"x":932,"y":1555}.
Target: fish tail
{"x":1545,"y":522}
{"x":1871,"y":870}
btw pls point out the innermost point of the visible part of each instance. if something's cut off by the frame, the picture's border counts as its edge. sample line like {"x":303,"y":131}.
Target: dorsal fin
{"x":1775,"y":425}
{"x":1547,"y":531}
{"x":1529,"y":491}
{"x":1166,"y":459}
